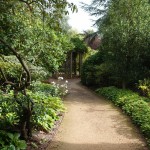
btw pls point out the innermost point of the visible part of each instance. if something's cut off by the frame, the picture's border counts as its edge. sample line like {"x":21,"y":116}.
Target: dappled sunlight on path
{"x":93,"y":123}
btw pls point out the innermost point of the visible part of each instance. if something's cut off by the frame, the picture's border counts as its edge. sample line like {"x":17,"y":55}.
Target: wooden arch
{"x":72,"y":66}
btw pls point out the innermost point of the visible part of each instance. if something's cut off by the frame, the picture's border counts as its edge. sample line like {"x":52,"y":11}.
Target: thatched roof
{"x":93,"y":40}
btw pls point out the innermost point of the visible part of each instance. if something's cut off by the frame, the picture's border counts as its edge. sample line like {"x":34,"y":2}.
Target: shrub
{"x":54,"y":89}
{"x":9,"y":141}
{"x":144,"y":86}
{"x":13,"y":70}
{"x":94,"y":71}
{"x":45,"y":112}
{"x":47,"y":89}
{"x":47,"y":104}
{"x":132,"y":104}
{"x":8,"y":111}
{"x":11,"y":73}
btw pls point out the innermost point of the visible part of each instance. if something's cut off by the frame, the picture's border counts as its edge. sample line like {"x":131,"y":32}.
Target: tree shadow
{"x":120,"y":122}
{"x":124,"y":126}
{"x":100,"y":146}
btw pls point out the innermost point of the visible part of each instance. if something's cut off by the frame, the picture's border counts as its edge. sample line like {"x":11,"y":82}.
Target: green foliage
{"x":125,"y":30}
{"x":54,"y":89}
{"x":47,"y":107}
{"x":12,"y":70}
{"x":79,"y":45}
{"x":31,"y":34}
{"x":144,"y":86}
{"x":9,"y":141}
{"x":47,"y":89}
{"x":95,"y":71}
{"x":125,"y":39}
{"x":132,"y":104}
{"x":35,"y":33}
{"x":38,"y":73}
{"x":8,"y":111}
{"x":46,"y":110}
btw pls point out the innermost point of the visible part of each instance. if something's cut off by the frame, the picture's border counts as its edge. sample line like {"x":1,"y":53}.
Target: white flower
{"x":60,"y":78}
{"x":66,"y":81}
{"x":53,"y":83}
{"x":62,"y":86}
{"x":66,"y":91}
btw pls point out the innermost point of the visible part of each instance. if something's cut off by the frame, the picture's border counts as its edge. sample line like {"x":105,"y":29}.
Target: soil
{"x":93,"y":123}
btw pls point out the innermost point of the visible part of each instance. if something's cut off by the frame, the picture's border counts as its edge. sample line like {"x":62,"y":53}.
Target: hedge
{"x":132,"y":104}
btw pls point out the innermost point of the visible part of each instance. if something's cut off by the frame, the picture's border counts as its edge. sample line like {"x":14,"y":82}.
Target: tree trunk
{"x":23,"y":130}
{"x":25,"y":124}
{"x":124,"y":84}
{"x":28,"y":124}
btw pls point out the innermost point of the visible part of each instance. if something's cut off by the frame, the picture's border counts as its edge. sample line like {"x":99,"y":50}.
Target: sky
{"x":80,"y":21}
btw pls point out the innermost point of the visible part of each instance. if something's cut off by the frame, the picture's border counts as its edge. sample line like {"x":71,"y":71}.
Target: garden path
{"x":93,"y":123}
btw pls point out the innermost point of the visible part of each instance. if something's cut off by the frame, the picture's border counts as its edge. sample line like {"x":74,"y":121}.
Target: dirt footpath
{"x":92,"y":123}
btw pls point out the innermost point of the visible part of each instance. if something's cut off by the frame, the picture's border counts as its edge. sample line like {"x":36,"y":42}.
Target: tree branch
{"x":28,"y":4}
{"x":20,"y":60}
{"x":6,"y":81}
{"x":3,"y":75}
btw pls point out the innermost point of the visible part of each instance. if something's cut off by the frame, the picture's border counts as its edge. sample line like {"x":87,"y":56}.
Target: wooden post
{"x":71,"y":65}
{"x":75,"y":63}
{"x":80,"y":63}
{"x":75,"y":67}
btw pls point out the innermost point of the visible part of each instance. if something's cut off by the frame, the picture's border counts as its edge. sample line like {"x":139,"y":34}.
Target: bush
{"x":47,"y":104}
{"x":8,"y":111}
{"x":144,"y":86}
{"x":132,"y":104}
{"x":13,"y":70}
{"x":94,"y":71}
{"x":47,"y":89}
{"x":11,"y":73}
{"x":46,"y":110}
{"x":47,"y":107}
{"x":54,"y":89}
{"x":9,"y":141}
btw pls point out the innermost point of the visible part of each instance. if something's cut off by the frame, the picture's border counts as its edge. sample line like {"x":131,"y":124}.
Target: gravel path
{"x":92,"y":123}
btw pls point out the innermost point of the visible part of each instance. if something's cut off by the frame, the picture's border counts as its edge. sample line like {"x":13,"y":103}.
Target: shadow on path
{"x":93,"y":123}
{"x":100,"y":146}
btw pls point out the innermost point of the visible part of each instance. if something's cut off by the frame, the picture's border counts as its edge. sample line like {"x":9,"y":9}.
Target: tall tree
{"x":124,"y":25}
{"x":126,"y":39}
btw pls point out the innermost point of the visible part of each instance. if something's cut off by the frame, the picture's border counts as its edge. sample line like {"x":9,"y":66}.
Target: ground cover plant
{"x":9,"y":141}
{"x":48,"y":106}
{"x":132,"y":104}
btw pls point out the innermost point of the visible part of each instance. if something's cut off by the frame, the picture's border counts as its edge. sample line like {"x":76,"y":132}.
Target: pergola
{"x":72,"y":65}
